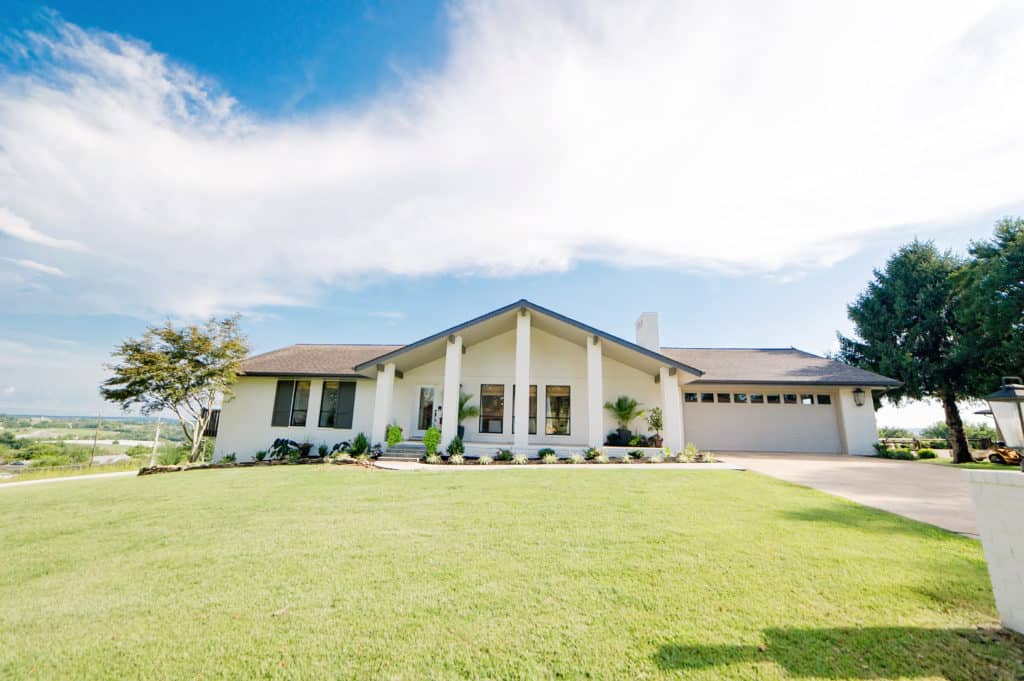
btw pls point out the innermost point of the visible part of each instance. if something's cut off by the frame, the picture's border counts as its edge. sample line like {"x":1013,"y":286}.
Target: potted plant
{"x":624,"y":409}
{"x":466,"y":411}
{"x":654,"y":420}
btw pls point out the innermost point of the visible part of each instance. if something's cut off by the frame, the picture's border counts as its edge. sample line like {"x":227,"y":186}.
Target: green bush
{"x":635,"y":454}
{"x":432,"y":458}
{"x":576,"y":457}
{"x":323,"y":449}
{"x":880,"y":449}
{"x":229,"y":458}
{"x":360,"y":445}
{"x":544,"y":451}
{"x":456,"y":459}
{"x":503,"y":455}
{"x":170,"y":456}
{"x":901,"y":453}
{"x":549,"y":458}
{"x":456,"y":446}
{"x":431,"y":439}
{"x":591,"y":453}
{"x":926,"y":453}
{"x":260,"y":455}
{"x":393,"y":435}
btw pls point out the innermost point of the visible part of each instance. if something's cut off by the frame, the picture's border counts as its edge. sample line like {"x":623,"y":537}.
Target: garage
{"x":762,"y":419}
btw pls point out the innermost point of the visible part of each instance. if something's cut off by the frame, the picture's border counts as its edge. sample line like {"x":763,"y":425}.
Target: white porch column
{"x":595,"y":389}
{"x":521,"y":438}
{"x":672,"y":409}
{"x":452,"y":381}
{"x":382,"y":402}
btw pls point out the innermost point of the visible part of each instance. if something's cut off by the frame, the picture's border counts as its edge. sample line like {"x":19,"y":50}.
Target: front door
{"x":426,"y":410}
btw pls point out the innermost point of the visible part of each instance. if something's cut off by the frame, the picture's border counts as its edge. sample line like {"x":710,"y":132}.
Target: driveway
{"x":932,"y":494}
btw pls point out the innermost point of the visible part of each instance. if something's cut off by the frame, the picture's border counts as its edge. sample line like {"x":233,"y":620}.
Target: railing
{"x":916,"y":443}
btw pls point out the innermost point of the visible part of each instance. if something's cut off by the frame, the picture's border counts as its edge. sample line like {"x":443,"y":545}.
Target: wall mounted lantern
{"x":858,"y":397}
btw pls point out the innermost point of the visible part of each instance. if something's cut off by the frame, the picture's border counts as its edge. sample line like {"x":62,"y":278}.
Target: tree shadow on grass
{"x":863,"y":518}
{"x":867,"y":653}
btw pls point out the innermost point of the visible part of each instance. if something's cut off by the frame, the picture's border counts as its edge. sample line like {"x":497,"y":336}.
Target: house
{"x":771,"y":400}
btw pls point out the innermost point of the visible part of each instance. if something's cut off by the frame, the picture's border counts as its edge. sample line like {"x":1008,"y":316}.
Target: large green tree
{"x":907,"y":327}
{"x":181,"y":370}
{"x":992,"y":305}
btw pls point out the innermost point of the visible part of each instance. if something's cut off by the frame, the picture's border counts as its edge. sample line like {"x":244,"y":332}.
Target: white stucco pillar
{"x":452,"y":381}
{"x":382,"y":403}
{"x":858,"y":430}
{"x":521,"y":438}
{"x":595,"y":389}
{"x":672,"y":409}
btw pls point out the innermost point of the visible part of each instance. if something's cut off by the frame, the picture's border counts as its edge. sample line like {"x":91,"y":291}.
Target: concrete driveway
{"x":932,"y":494}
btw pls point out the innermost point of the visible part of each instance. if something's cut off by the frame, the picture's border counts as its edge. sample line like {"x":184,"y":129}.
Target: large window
{"x":532,"y":429}
{"x":557,"y":422}
{"x":492,"y":407}
{"x":291,"y":400}
{"x":337,"y":404}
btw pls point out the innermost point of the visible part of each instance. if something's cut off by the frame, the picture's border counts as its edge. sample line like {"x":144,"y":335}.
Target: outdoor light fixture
{"x":858,"y":397}
{"x":1007,"y":405}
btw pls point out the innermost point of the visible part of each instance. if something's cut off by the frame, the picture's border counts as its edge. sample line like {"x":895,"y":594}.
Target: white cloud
{"x":19,"y":228}
{"x":37,"y":266}
{"x":734,"y":137}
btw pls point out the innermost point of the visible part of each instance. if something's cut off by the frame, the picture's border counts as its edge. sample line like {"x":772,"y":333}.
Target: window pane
{"x":558,"y":410}
{"x":756,"y":398}
{"x":282,"y":403}
{"x":346,"y":404}
{"x":425,"y":409}
{"x":741,"y":398}
{"x":773,"y":399}
{"x":824,"y":399}
{"x":806,"y":399}
{"x":789,"y":398}
{"x":300,"y":403}
{"x":492,"y":407}
{"x":725,"y":397}
{"x":690,"y":397}
{"x":707,"y":397}
{"x":329,"y":404}
{"x":533,"y":410}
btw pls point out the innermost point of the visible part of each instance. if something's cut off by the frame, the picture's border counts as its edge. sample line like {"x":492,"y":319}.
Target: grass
{"x":331,"y":572}
{"x":48,"y":472}
{"x":976,"y":465}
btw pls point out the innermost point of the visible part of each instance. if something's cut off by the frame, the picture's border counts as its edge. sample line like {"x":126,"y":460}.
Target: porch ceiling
{"x":504,"y":319}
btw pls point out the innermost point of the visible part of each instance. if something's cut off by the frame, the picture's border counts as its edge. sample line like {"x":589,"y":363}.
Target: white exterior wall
{"x":245,"y":420}
{"x":620,"y":379}
{"x":764,"y":427}
{"x":999,"y":502}
{"x":859,"y":429}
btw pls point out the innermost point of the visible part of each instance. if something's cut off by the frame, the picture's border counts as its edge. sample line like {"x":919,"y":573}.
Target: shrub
{"x":260,"y":455}
{"x":901,"y":453}
{"x":432,"y":458}
{"x":635,"y":454}
{"x":591,"y":453}
{"x":691,"y":451}
{"x":683,"y":457}
{"x":485,"y":460}
{"x":503,"y":455}
{"x":576,"y":457}
{"x":544,"y":451}
{"x":170,"y":456}
{"x":323,"y":450}
{"x":456,"y":446}
{"x":431,"y":439}
{"x":360,"y":445}
{"x":926,"y":454}
{"x":656,"y":457}
{"x":880,"y":448}
{"x":456,"y":459}
{"x":519,"y":459}
{"x":600,"y":458}
{"x":549,"y":458}
{"x":229,"y":458}
{"x":393,"y":435}
{"x":294,"y":455}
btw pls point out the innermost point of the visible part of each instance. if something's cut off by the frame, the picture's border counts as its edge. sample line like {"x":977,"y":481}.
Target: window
{"x":806,"y":399}
{"x":774,"y":399}
{"x":532,"y":419}
{"x":690,"y":397}
{"x":492,"y":407}
{"x":337,"y":404}
{"x":558,"y":410}
{"x":291,"y":399}
{"x":789,"y":398}
{"x":707,"y":397}
{"x":724,"y":397}
{"x":425,"y":408}
{"x":741,"y":398}
{"x":824,"y":399}
{"x":756,"y":398}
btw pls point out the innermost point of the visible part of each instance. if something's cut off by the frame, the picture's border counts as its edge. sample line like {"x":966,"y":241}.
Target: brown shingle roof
{"x":773,"y":365}
{"x":313,"y":360}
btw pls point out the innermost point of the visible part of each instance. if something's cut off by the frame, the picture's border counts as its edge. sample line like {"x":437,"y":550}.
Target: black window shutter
{"x":283,"y":403}
{"x":346,"y":405}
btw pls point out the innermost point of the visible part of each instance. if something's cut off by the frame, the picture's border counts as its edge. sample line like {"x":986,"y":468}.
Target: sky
{"x":377,"y":171}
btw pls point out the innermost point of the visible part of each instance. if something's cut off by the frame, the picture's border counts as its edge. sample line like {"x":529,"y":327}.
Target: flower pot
{"x":624,"y":435}
{"x":657,"y":441}
{"x":999,"y":505}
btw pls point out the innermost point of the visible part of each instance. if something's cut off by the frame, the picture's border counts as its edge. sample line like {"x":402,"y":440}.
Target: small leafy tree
{"x":431,"y":439}
{"x":393,"y":435}
{"x":655,"y":420}
{"x":624,"y":409}
{"x":181,"y":370}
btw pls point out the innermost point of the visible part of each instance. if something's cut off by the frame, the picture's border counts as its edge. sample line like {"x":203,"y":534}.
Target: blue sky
{"x":373,"y":172}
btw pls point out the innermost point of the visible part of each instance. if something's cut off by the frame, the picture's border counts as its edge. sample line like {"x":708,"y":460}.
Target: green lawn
{"x":329,"y":572}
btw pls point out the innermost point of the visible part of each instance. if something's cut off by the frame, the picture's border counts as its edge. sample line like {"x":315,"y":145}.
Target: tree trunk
{"x":957,"y":439}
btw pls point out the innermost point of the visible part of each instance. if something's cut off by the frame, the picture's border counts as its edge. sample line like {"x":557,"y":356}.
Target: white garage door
{"x":808,"y":425}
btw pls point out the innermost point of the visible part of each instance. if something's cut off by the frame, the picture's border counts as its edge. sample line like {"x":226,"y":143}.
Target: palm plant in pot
{"x":654,"y":420}
{"x":466,"y":411}
{"x":625,"y":409}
